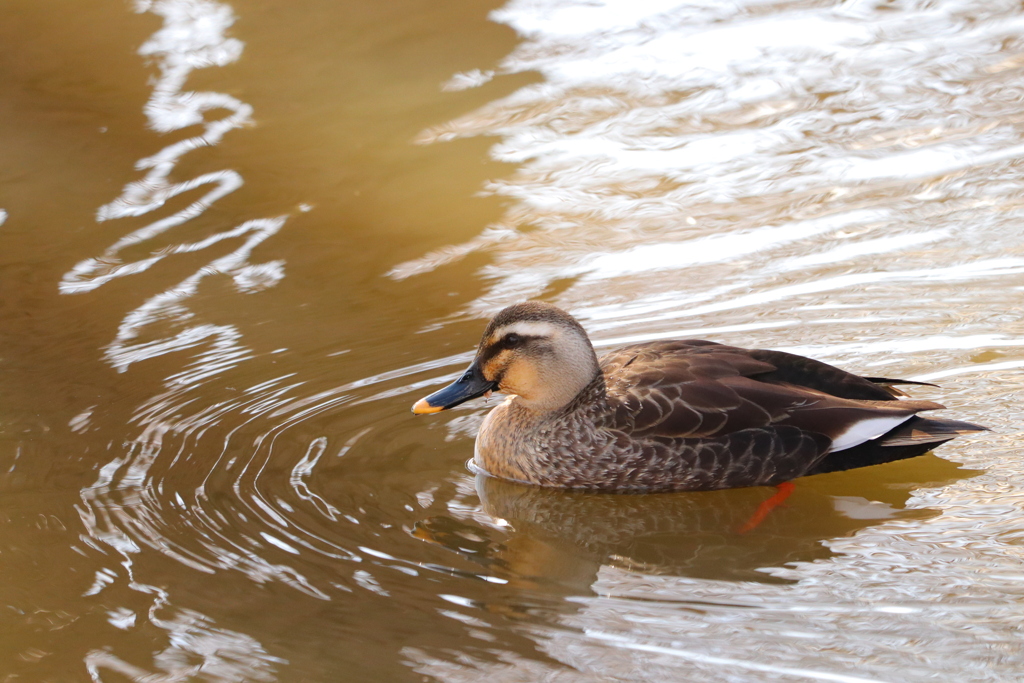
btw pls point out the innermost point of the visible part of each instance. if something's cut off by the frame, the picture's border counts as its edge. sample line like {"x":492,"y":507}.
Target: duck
{"x":674,"y":415}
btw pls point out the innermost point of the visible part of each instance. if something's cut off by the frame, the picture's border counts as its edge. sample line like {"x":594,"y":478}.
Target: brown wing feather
{"x":674,"y":391}
{"x":813,"y":374}
{"x":689,"y":389}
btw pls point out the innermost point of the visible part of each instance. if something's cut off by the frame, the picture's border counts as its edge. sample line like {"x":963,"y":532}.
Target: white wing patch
{"x":865,"y":430}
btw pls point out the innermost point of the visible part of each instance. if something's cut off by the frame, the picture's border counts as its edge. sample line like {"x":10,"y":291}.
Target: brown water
{"x":240,"y":238}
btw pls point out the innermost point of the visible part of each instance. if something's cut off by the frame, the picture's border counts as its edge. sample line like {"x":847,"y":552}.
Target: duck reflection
{"x":562,"y":538}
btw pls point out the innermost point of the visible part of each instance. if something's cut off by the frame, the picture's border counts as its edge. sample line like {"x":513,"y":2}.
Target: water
{"x":240,"y":238}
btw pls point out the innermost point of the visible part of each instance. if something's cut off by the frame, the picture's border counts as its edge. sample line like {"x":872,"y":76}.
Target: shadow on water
{"x":557,"y":540}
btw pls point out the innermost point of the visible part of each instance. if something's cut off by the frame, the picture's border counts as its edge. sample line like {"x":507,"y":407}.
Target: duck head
{"x":533,"y":350}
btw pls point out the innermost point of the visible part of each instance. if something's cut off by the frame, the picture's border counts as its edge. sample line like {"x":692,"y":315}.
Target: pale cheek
{"x":519,"y":379}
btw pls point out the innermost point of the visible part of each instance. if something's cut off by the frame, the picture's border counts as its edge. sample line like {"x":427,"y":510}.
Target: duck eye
{"x":512,"y":339}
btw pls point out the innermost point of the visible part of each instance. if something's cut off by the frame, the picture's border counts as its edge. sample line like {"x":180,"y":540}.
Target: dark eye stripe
{"x":514,"y":339}
{"x":510,"y":341}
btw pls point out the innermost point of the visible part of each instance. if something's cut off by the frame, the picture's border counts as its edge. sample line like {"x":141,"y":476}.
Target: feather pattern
{"x":679,"y":415}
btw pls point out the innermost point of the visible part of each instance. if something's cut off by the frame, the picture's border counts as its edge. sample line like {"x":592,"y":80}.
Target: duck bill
{"x":469,"y":386}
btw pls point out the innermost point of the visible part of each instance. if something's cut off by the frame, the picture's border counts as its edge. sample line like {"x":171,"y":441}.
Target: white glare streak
{"x":193,"y":37}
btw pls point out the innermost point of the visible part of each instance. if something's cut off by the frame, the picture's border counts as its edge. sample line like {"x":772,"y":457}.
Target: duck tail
{"x":916,"y":436}
{"x":927,"y":430}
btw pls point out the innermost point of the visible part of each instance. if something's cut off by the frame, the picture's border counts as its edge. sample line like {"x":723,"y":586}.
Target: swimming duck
{"x":678,"y":415}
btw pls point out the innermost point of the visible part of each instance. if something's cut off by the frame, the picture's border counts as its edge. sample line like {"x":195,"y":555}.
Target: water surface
{"x":240,"y":238}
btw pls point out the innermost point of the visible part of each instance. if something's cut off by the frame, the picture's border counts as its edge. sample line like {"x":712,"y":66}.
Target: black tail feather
{"x":889,"y":380}
{"x":914,"y":437}
{"x":921,"y":430}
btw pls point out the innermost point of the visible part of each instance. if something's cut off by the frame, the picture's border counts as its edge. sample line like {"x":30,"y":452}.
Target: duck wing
{"x":793,"y":370}
{"x":699,"y":389}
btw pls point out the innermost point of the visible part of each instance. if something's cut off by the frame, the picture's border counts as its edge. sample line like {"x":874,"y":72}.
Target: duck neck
{"x":593,"y":392}
{"x":560,"y":385}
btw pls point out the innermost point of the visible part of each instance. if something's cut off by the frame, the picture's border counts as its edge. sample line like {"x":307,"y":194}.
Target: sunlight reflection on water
{"x":121,"y":509}
{"x":193,"y":37}
{"x":736,"y":116}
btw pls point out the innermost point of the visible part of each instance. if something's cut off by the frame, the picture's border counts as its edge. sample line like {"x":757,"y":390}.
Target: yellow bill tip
{"x":421,"y":407}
